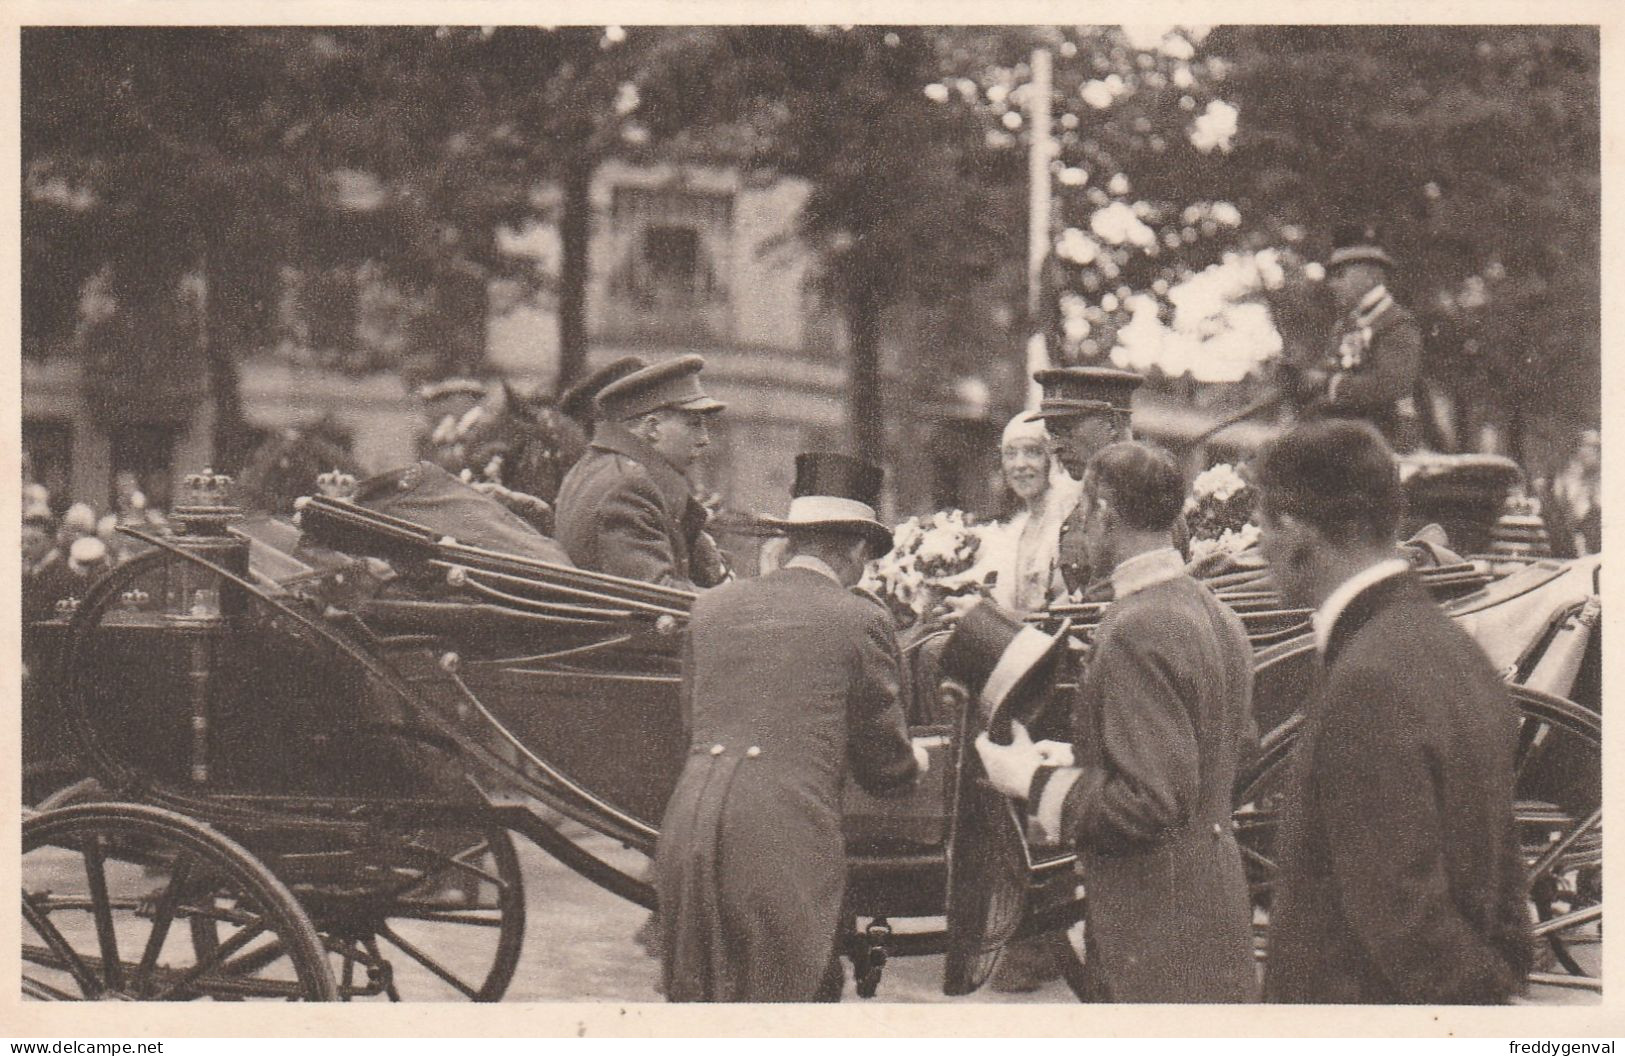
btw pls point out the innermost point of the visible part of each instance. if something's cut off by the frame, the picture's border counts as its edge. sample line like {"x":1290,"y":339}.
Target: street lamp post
{"x":1036,"y":356}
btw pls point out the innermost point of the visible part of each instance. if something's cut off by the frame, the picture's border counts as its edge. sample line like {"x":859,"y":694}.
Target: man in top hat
{"x":627,"y":507}
{"x":1400,"y":872}
{"x":1160,"y":720}
{"x":1375,"y":356}
{"x":790,"y":684}
{"x":1084,"y":409}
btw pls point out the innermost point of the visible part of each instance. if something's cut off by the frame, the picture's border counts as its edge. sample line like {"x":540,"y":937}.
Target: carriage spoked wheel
{"x":431,"y":914}
{"x":104,"y":886}
{"x":1558,"y":764}
{"x":1560,"y":823}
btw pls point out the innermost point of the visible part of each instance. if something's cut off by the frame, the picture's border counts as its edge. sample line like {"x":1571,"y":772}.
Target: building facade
{"x":683,"y":259}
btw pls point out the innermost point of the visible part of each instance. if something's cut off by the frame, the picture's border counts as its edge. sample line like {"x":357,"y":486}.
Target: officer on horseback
{"x":1375,"y":356}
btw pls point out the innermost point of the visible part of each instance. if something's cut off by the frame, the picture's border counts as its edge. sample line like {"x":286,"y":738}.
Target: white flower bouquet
{"x":932,"y":558}
{"x":1229,"y":545}
{"x":1219,"y":513}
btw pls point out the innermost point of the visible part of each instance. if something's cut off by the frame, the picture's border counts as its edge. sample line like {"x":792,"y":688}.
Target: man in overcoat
{"x":627,"y":508}
{"x":1375,"y":356}
{"x":1160,"y":720}
{"x":790,"y":684}
{"x":1399,"y":872}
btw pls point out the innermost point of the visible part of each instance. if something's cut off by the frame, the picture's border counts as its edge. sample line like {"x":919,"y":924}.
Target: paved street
{"x":579,"y":943}
{"x":579,"y":947}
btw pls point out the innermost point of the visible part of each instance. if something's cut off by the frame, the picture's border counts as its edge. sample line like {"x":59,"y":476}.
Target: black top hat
{"x":674,"y":383}
{"x":578,"y":401}
{"x":1357,"y":243}
{"x":1003,"y":661}
{"x":1071,"y":391}
{"x":835,"y":491}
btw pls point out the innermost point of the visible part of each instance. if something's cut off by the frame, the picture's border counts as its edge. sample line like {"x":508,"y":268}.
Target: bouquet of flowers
{"x":932,"y":557}
{"x":1219,"y":514}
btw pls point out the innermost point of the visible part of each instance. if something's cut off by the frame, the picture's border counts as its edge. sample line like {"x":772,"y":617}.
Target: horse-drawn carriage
{"x":310,"y":749}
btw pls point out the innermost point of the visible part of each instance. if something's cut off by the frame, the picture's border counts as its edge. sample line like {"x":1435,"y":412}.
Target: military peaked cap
{"x":674,"y":383}
{"x":1357,"y":244}
{"x":1070,"y":391}
{"x":580,"y":400}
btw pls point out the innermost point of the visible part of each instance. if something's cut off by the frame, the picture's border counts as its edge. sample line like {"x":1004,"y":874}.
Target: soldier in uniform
{"x":1375,"y":356}
{"x":627,"y":508}
{"x":1161,"y":718}
{"x":1084,"y":409}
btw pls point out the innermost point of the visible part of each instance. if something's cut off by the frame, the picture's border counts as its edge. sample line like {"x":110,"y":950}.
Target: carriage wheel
{"x":103,"y":885}
{"x":424,"y":915}
{"x":84,"y":790}
{"x":1557,"y":810}
{"x":458,"y":925}
{"x":1560,"y":823}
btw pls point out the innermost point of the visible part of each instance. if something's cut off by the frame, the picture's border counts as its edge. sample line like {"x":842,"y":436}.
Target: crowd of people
{"x":63,"y":555}
{"x":1399,"y":878}
{"x":793,"y":683}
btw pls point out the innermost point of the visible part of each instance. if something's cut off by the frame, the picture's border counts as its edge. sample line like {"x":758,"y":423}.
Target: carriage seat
{"x":427,"y":495}
{"x":1510,"y":613}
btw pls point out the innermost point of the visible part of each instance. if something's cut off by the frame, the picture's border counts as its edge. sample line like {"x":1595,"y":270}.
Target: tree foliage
{"x":236,"y":153}
{"x":1477,"y":151}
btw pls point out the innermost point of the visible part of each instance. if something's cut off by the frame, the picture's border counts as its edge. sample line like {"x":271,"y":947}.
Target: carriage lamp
{"x":203,"y":519}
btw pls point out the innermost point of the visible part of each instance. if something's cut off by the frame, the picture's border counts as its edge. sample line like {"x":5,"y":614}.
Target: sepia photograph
{"x":892,"y":514}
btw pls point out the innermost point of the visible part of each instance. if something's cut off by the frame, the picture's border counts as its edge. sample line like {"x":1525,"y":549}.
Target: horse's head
{"x":520,"y":441}
{"x":285,"y":467}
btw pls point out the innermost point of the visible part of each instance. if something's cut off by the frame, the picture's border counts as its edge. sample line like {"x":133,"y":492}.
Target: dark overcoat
{"x":1374,"y":377}
{"x":625,"y":510}
{"x":1162,"y":717}
{"x":790,"y":684}
{"x":1400,"y":878}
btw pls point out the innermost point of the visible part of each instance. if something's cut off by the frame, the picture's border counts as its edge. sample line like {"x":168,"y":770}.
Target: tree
{"x":568,"y":98}
{"x":906,"y":202}
{"x":155,"y":135}
{"x":1477,"y":150}
{"x":1183,"y":155}
{"x":231,"y":153}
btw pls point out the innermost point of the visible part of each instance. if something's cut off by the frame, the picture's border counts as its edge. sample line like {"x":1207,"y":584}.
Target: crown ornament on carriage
{"x":205,"y":506}
{"x":336,"y":484}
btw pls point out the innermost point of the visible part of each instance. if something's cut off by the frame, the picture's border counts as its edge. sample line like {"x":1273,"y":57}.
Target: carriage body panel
{"x":370,"y":677}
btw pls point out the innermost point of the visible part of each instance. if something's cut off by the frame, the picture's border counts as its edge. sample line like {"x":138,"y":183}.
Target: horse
{"x":285,"y":467}
{"x":525,"y":443}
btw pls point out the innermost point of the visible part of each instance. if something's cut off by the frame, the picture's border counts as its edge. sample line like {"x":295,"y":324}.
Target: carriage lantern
{"x":203,"y":518}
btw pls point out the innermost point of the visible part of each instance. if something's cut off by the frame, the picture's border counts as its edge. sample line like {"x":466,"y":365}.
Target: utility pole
{"x":1036,"y":356}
